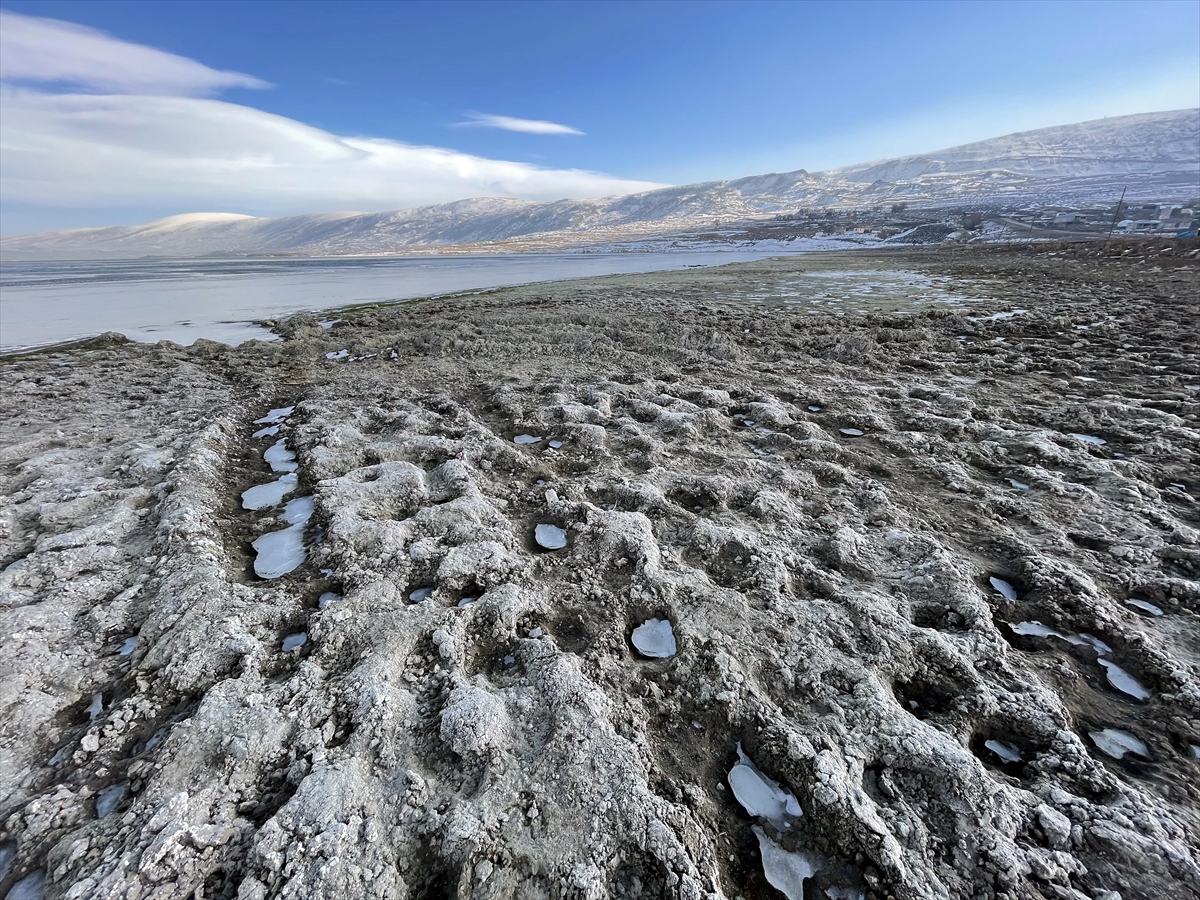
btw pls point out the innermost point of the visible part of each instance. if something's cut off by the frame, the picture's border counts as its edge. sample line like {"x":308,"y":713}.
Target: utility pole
{"x":1117,"y":211}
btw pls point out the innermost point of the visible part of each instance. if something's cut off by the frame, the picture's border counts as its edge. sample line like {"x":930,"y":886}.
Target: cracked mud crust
{"x":815,"y":469}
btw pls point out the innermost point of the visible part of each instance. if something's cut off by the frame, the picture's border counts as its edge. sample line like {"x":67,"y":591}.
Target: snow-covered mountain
{"x":1155,"y":155}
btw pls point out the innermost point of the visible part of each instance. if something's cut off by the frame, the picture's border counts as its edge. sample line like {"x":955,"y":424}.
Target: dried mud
{"x":830,"y":593}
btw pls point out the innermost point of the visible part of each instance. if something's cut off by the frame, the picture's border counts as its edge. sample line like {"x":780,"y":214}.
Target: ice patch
{"x":550,"y":537}
{"x":1006,"y":752}
{"x":814,"y":409}
{"x":107,"y":799}
{"x":96,"y":707}
{"x":337,"y":354}
{"x":466,"y":601}
{"x":1144,"y":606}
{"x":852,"y":432}
{"x":1036,"y":629}
{"x":279,"y":552}
{"x":326,"y":598}
{"x":1089,"y":439}
{"x":280,"y":458}
{"x":1123,"y":681}
{"x":655,"y":639}
{"x":275,"y":415}
{"x":785,"y":870}
{"x":272,"y":493}
{"x":31,"y":887}
{"x":1116,"y":743}
{"x":266,"y":432}
{"x":1019,"y":485}
{"x":420,"y":595}
{"x":526,"y":439}
{"x":295,"y":641}
{"x":760,"y":796}
{"x":129,"y":646}
{"x":328,"y":323}
{"x":1006,"y":590}
{"x":535,"y":632}
{"x":555,"y":445}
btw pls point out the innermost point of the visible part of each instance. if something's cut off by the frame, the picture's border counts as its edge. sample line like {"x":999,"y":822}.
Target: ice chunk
{"x":107,"y":799}
{"x":298,"y":511}
{"x":466,"y":601}
{"x":1006,"y":752}
{"x":96,"y":707}
{"x":295,"y":641}
{"x":785,"y":870}
{"x":1019,"y":485}
{"x":1116,"y":743}
{"x":420,"y":594}
{"x":526,"y":439}
{"x":272,"y":493}
{"x":814,"y":409}
{"x":326,"y":598}
{"x":1144,"y":606}
{"x":1123,"y":681}
{"x":280,"y":458}
{"x":1036,"y":629}
{"x":852,"y":432}
{"x":550,"y":537}
{"x":654,"y":638}
{"x":1089,"y":439}
{"x":279,"y":552}
{"x":760,"y":796}
{"x":554,"y":445}
{"x":155,"y":739}
{"x":266,"y":432}
{"x":275,"y":415}
{"x":337,"y":354}
{"x":1091,"y":640}
{"x":1195,"y":750}
{"x":129,"y":646}
{"x":31,"y":887}
{"x":535,"y":632}
{"x":1007,"y":590}
{"x":328,"y":323}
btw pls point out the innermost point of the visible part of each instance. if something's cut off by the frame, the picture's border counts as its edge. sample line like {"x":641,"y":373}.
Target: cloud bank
{"x":509,"y":123}
{"x":138,"y":127}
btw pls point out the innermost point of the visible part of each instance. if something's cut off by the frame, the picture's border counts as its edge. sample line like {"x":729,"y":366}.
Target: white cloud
{"x":46,"y":50}
{"x":509,"y":123}
{"x":87,"y":150}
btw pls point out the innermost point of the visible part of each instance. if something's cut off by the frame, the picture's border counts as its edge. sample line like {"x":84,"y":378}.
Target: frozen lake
{"x":182,"y":300}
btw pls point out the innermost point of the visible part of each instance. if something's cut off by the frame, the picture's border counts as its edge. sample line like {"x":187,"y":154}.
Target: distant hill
{"x":1155,"y":155}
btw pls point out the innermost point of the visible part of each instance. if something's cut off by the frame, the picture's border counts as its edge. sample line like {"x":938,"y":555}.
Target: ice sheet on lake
{"x":1116,"y":743}
{"x":262,"y":496}
{"x":655,"y":639}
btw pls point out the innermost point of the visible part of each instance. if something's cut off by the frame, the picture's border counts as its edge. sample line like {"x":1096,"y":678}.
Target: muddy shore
{"x":924,"y":526}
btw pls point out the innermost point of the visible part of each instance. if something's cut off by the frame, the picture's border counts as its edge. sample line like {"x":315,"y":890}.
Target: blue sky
{"x":662,"y":93}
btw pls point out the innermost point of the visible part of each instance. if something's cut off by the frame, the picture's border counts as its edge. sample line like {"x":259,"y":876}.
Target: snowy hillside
{"x":1155,"y":155}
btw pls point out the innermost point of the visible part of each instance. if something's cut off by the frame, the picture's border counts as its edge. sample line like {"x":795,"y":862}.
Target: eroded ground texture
{"x":831,"y":593}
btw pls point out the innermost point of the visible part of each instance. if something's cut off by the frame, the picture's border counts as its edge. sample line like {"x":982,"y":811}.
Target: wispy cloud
{"x":132,"y":132}
{"x":46,"y":51}
{"x":510,"y":123}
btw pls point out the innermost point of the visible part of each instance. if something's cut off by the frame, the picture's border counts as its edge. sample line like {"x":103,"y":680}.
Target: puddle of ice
{"x":1089,"y":439}
{"x":275,"y":415}
{"x":526,"y":439}
{"x":337,"y":354}
{"x":96,"y":707}
{"x":1036,"y":629}
{"x":326,"y":598}
{"x":280,"y":458}
{"x":1006,"y":752}
{"x":128,"y":646}
{"x":760,"y":796}
{"x":31,"y":887}
{"x":272,"y":493}
{"x":1019,"y":485}
{"x":295,"y":641}
{"x":1006,"y":590}
{"x":550,"y":537}
{"x":1116,"y":743}
{"x":1123,"y":681}
{"x":852,"y":432}
{"x":814,"y":409}
{"x":785,"y":870}
{"x":466,"y":601}
{"x":279,"y":552}
{"x":1144,"y":606}
{"x":555,"y":445}
{"x":266,"y":432}
{"x":420,"y":595}
{"x":655,"y":639}
{"x":107,"y":799}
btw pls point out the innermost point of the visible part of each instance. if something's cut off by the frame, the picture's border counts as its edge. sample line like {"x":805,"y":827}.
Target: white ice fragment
{"x":272,"y":493}
{"x":1006,"y":752}
{"x":852,"y":432}
{"x":550,"y":537}
{"x":1091,"y":640}
{"x":1019,"y":485}
{"x":31,"y":887}
{"x":298,"y":511}
{"x":510,"y":660}
{"x":526,"y":439}
{"x":96,"y":707}
{"x":275,"y":415}
{"x":1195,"y":750}
{"x":328,"y":323}
{"x":814,"y":409}
{"x":466,"y":601}
{"x":785,"y":870}
{"x":155,"y":739}
{"x":107,"y":799}
{"x":337,"y":354}
{"x":129,"y":646}
{"x":1116,"y":743}
{"x":295,"y":641}
{"x":279,"y":457}
{"x":654,"y":638}
{"x":1144,"y":606}
{"x":1089,"y":439}
{"x":760,"y":796}
{"x":266,"y":432}
{"x":555,"y":445}
{"x":326,"y":598}
{"x":1036,"y":629}
{"x":279,"y":552}
{"x":1007,"y":590}
{"x":535,"y":632}
{"x":1123,"y":681}
{"x":420,"y":594}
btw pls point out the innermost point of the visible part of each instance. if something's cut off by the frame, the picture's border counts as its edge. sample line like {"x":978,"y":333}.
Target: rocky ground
{"x":897,"y":562}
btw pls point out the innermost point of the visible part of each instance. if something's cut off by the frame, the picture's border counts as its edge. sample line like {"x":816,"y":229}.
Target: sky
{"x":115,"y":113}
